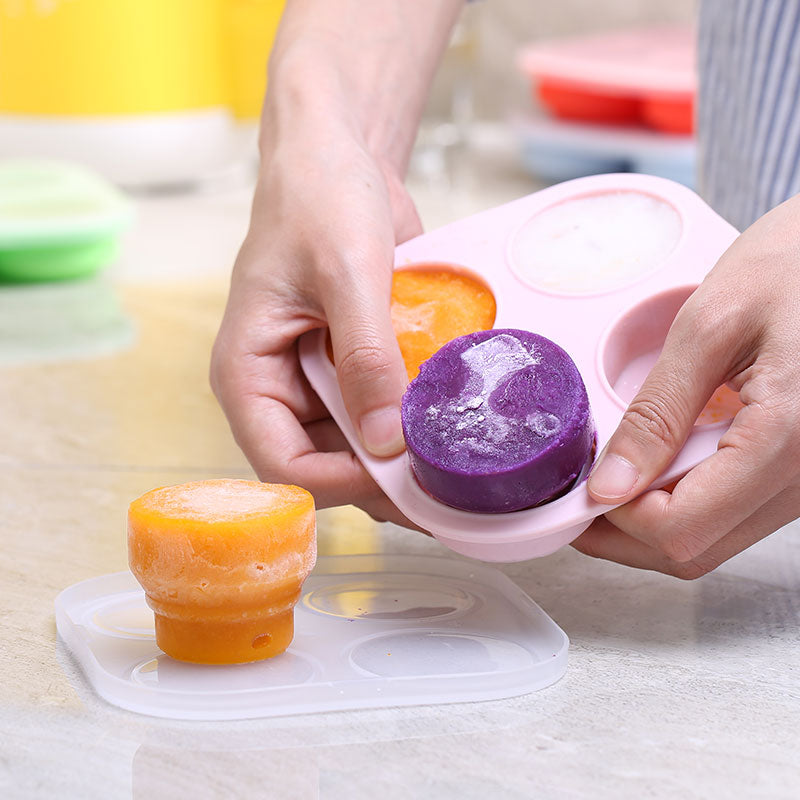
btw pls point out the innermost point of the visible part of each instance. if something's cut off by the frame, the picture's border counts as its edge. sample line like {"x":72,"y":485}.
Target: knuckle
{"x":692,"y":570}
{"x":216,"y":370}
{"x":586,"y":545}
{"x":224,"y":370}
{"x":589,"y":547}
{"x":709,"y":317}
{"x":363,"y":362}
{"x":270,"y":472}
{"x":721,"y":322}
{"x":651,"y":418}
{"x":337,"y":265}
{"x":775,"y":422}
{"x":682,"y":545}
{"x":768,"y":426}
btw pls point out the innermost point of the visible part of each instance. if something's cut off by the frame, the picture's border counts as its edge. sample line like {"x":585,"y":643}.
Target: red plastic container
{"x":637,"y":77}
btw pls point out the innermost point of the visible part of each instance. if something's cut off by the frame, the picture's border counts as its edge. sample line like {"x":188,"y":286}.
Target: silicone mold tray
{"x":613,"y":330}
{"x":370,"y":631}
{"x":644,"y":76}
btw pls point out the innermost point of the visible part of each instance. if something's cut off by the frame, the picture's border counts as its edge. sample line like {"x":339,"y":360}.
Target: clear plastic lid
{"x":370,"y":631}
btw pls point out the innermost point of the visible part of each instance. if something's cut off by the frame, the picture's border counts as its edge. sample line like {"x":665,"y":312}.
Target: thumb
{"x":661,"y":416}
{"x":370,"y":369}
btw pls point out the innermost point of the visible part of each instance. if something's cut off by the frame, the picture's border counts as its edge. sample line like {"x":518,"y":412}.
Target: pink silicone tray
{"x":613,"y":334}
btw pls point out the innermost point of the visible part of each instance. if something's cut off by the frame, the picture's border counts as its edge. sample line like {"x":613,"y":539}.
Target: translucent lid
{"x":370,"y":631}
{"x":53,"y":202}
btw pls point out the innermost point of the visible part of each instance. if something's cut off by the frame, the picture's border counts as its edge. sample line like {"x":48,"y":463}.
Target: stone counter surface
{"x":673,"y":689}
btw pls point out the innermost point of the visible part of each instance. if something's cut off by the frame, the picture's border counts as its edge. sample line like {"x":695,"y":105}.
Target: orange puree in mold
{"x":721,"y":407}
{"x":222,"y":563}
{"x":431,"y":307}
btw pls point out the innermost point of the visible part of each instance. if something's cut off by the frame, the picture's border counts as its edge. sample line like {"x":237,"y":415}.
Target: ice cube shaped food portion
{"x":432,"y":305}
{"x":498,"y":421}
{"x":222,"y":563}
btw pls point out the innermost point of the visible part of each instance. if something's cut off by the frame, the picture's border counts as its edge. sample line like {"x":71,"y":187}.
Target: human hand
{"x":347,"y":86}
{"x":320,"y":251}
{"x":742,"y":327}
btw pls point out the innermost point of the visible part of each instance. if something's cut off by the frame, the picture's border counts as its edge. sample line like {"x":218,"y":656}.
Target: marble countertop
{"x":673,"y":689}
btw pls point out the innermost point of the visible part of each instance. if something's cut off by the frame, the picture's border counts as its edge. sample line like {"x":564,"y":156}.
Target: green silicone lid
{"x":57,"y":220}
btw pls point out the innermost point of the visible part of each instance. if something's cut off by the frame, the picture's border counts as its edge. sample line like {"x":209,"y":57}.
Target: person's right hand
{"x":741,"y":328}
{"x":320,"y":251}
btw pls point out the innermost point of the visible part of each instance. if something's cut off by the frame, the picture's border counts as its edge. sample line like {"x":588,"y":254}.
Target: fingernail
{"x":613,"y":477}
{"x":382,"y":432}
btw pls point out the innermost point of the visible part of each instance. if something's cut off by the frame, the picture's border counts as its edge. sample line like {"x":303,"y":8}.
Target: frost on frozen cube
{"x":498,"y":421}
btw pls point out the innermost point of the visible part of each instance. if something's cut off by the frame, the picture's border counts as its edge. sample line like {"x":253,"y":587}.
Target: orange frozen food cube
{"x":222,"y":563}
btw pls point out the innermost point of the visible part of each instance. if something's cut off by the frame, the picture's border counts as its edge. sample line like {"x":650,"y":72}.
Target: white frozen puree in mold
{"x":596,"y":242}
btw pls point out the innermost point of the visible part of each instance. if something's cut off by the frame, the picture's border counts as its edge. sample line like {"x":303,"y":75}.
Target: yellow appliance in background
{"x":251,"y":29}
{"x":146,"y":91}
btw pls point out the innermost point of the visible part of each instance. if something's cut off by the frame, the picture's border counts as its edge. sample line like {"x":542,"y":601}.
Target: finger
{"x":405,"y":218}
{"x":280,"y":451}
{"x":695,"y":360}
{"x":255,"y":422}
{"x":235,"y":377}
{"x":407,"y":223}
{"x":754,"y":463}
{"x":603,"y":539}
{"x":327,"y":437}
{"x":371,"y":373}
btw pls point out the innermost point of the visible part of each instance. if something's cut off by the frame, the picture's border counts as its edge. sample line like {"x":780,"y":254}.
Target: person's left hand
{"x":741,"y":327}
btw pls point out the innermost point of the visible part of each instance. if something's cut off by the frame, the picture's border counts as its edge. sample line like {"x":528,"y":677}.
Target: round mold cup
{"x":513,"y":549}
{"x":516,"y":544}
{"x":442,"y":266}
{"x":410,"y":320}
{"x":448,"y":653}
{"x":401,"y":598}
{"x":595,"y":243}
{"x":425,"y":316}
{"x":631,"y":345}
{"x":447,"y":268}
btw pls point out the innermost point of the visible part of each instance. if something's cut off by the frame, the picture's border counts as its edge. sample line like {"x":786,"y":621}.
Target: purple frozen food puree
{"x":497,"y":421}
